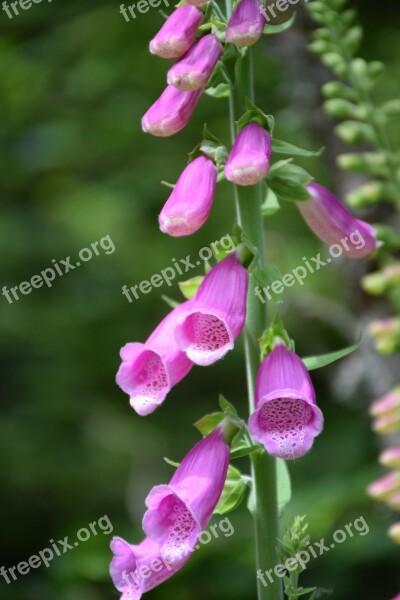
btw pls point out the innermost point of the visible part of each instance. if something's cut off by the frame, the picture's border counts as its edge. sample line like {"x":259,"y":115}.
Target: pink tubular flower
{"x":190,"y":202}
{"x":171,"y":112}
{"x":148,"y":371}
{"x":178,"y":512}
{"x":193,"y":70}
{"x":178,"y":32}
{"x":286,"y":419}
{"x":248,"y":160}
{"x":332,"y":223}
{"x":216,"y":316}
{"x":136,"y":569}
{"x":387,"y":404}
{"x":246,"y":24}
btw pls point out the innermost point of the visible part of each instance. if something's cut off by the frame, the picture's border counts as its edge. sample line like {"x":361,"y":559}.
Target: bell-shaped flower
{"x":332,"y":223}
{"x":148,"y":371}
{"x":286,"y":419}
{"x":136,"y":569}
{"x":206,"y":331}
{"x":178,"y":32}
{"x":248,"y":160}
{"x":190,"y":202}
{"x":171,"y":112}
{"x":246,"y":24}
{"x":179,"y":511}
{"x":194,"y":70}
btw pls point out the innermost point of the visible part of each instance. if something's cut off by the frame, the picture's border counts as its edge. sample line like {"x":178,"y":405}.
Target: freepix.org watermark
{"x":158,"y":564}
{"x":179,"y":267}
{"x":58,"y":269}
{"x":314,"y":550}
{"x":57,"y":548}
{"x":314,"y":264}
{"x":269,"y":9}
{"x":142,"y":7}
{"x":11,"y":8}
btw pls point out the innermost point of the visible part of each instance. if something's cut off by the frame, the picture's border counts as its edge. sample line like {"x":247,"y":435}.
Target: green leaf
{"x":233,"y":492}
{"x":273,"y":29}
{"x":316,"y":362}
{"x":227,"y":407}
{"x":222,"y":90}
{"x":270,"y":204}
{"x":190,"y":287}
{"x":243,"y":449}
{"x":280,"y":147}
{"x":254,"y":113}
{"x":171,"y":303}
{"x":208,"y":423}
{"x":284,"y":485}
{"x":289,"y":182}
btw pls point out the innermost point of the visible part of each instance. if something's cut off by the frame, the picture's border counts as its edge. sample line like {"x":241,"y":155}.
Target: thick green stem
{"x":249,"y":216}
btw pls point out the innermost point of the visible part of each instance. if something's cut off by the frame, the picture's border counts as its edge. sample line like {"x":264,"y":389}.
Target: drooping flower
{"x":246,"y":24}
{"x":332,"y":223}
{"x":190,"y":202}
{"x":194,"y":70}
{"x":248,"y":160}
{"x":148,"y":371}
{"x":136,"y":569}
{"x":286,"y":419}
{"x":390,"y":458}
{"x":178,"y":512}
{"x":171,"y":112}
{"x":385,"y":487}
{"x":207,"y":329}
{"x":178,"y":32}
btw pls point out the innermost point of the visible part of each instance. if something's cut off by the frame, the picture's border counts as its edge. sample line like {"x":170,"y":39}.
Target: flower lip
{"x":204,"y":335}
{"x":144,"y":377}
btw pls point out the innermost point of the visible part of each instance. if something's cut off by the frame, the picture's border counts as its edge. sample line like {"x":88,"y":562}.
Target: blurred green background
{"x":75,"y":78}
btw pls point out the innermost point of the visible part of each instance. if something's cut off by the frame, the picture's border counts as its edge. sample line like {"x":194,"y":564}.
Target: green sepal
{"x":190,"y":286}
{"x":254,"y":113}
{"x":270,"y":204}
{"x":289,"y":181}
{"x":233,"y":492}
{"x":208,"y":423}
{"x":274,"y":29}
{"x":222,"y":90}
{"x":271,"y":335}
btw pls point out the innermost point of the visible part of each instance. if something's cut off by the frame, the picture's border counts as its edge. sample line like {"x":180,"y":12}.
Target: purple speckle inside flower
{"x":151,"y":380}
{"x":285,"y":422}
{"x":180,"y":527}
{"x":206,"y":336}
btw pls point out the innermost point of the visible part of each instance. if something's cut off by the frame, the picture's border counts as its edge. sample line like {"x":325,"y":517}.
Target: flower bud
{"x":354,"y":132}
{"x":178,"y":32}
{"x":248,"y":160}
{"x":387,"y":404}
{"x":367,"y":194}
{"x":330,"y":220}
{"x":377,"y":283}
{"x":246,"y":24}
{"x":394,"y":501}
{"x":171,"y":112}
{"x":386,"y":333}
{"x":387,"y":424}
{"x":394,"y":533}
{"x":190,"y":202}
{"x":385,"y":487}
{"x":194,"y":70}
{"x":390,"y":458}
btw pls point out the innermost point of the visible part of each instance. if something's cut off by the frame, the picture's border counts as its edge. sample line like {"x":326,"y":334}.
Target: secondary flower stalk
{"x":190,"y":202}
{"x":286,"y":419}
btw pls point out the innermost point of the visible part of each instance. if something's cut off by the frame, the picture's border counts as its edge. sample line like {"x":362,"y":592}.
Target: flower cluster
{"x":204,"y":328}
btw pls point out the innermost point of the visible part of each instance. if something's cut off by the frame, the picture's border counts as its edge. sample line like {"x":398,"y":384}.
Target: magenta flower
{"x":136,"y":569}
{"x":194,"y":70}
{"x":171,"y":112}
{"x":178,"y":32}
{"x":148,"y":371}
{"x":246,"y":24}
{"x":178,"y":512}
{"x":248,"y":160}
{"x":190,"y":202}
{"x":332,"y":223}
{"x":286,"y":419}
{"x":207,"y":329}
